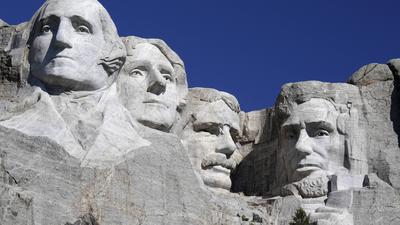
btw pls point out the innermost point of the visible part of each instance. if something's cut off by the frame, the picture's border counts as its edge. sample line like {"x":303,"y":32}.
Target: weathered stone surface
{"x":371,"y":73}
{"x":6,"y":36}
{"x":381,"y":122}
{"x":8,"y":73}
{"x":282,"y":210}
{"x":112,"y":135}
{"x":377,"y":203}
{"x":14,"y":68}
{"x":381,"y":104}
{"x":3,"y":24}
{"x":257,"y":126}
{"x":346,"y":182}
{"x":46,"y":175}
{"x":149,"y":187}
{"x":394,"y":65}
{"x":257,"y":171}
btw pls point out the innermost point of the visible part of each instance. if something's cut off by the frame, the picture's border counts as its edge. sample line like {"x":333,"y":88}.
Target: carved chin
{"x":156,"y":123}
{"x":159,"y":120}
{"x":65,"y":75}
{"x":307,"y":171}
{"x":309,"y":187}
{"x":313,"y":187}
{"x":217,"y":177}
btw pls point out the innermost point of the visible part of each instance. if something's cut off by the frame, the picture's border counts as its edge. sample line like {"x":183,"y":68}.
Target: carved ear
{"x":113,"y":57}
{"x":341,"y":122}
{"x":289,"y":189}
{"x":344,"y":118}
{"x":181,"y":104}
{"x":112,"y":65}
{"x":347,"y":121}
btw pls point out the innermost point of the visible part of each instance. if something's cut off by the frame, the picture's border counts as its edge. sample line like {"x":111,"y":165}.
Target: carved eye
{"x":321,"y":133}
{"x":83,"y":29}
{"x":291,"y":135}
{"x":136,"y":72}
{"x":46,"y":28}
{"x":167,"y":75}
{"x":234,"y":134}
{"x":212,"y":128}
{"x":215,"y":130}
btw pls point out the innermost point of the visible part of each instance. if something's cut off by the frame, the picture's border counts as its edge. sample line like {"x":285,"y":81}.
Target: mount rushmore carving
{"x":102,"y":129}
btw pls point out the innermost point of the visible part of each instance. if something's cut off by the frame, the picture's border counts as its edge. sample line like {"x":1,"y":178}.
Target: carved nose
{"x":227,"y":146}
{"x":303,"y":144}
{"x":63,"y":37}
{"x":157,"y":84}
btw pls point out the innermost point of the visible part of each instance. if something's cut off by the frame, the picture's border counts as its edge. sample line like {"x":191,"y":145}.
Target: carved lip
{"x":62,"y":57}
{"x":222,"y":165}
{"x":211,"y":164}
{"x":309,"y":166}
{"x":221,"y":169}
{"x":156,"y":102}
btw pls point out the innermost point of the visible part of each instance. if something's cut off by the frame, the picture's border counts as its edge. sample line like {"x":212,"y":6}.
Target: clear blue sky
{"x":251,"y":48}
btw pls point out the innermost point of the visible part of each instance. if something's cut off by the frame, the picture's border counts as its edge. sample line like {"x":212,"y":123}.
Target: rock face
{"x":366,"y":117}
{"x":103,"y":130}
{"x":213,"y":118}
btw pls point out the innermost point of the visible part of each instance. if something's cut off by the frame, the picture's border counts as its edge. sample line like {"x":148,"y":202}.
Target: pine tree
{"x":300,"y":218}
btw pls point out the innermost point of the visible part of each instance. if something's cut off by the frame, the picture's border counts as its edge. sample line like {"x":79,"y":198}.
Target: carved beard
{"x":309,"y":187}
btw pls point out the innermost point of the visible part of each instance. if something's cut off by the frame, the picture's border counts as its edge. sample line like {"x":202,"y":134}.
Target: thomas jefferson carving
{"x":152,"y":84}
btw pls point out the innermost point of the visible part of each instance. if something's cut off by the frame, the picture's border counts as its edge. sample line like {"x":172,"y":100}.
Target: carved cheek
{"x":210,"y":142}
{"x":40,"y":47}
{"x":88,"y":48}
{"x":201,"y":145}
{"x":336,"y":152}
{"x":289,"y":146}
{"x":320,"y":155}
{"x":171,"y":97}
{"x":321,"y":147}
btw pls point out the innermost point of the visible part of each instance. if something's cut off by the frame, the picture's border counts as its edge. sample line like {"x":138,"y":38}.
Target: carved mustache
{"x":156,"y":101}
{"x":217,"y":159}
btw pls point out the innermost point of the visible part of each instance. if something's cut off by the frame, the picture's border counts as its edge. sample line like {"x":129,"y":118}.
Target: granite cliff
{"x":101,"y":129}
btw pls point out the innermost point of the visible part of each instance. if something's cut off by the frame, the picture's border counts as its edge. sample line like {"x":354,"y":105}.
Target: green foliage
{"x":300,"y":218}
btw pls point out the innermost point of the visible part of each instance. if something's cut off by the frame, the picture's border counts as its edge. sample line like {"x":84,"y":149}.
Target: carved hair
{"x":206,"y":95}
{"x":113,"y":53}
{"x":211,"y":95}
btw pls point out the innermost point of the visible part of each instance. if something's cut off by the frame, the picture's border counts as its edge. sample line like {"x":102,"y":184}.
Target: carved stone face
{"x":148,"y":87}
{"x":310,"y":140}
{"x":67,"y":44}
{"x":212,"y":141}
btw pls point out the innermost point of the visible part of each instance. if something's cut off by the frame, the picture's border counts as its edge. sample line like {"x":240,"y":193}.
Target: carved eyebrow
{"x":234,"y":130}
{"x":287,"y":126}
{"x":210,"y":127}
{"x":81,"y":21}
{"x":48,"y":19}
{"x":320,"y":125}
{"x":137,"y":63}
{"x":168,"y":68}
